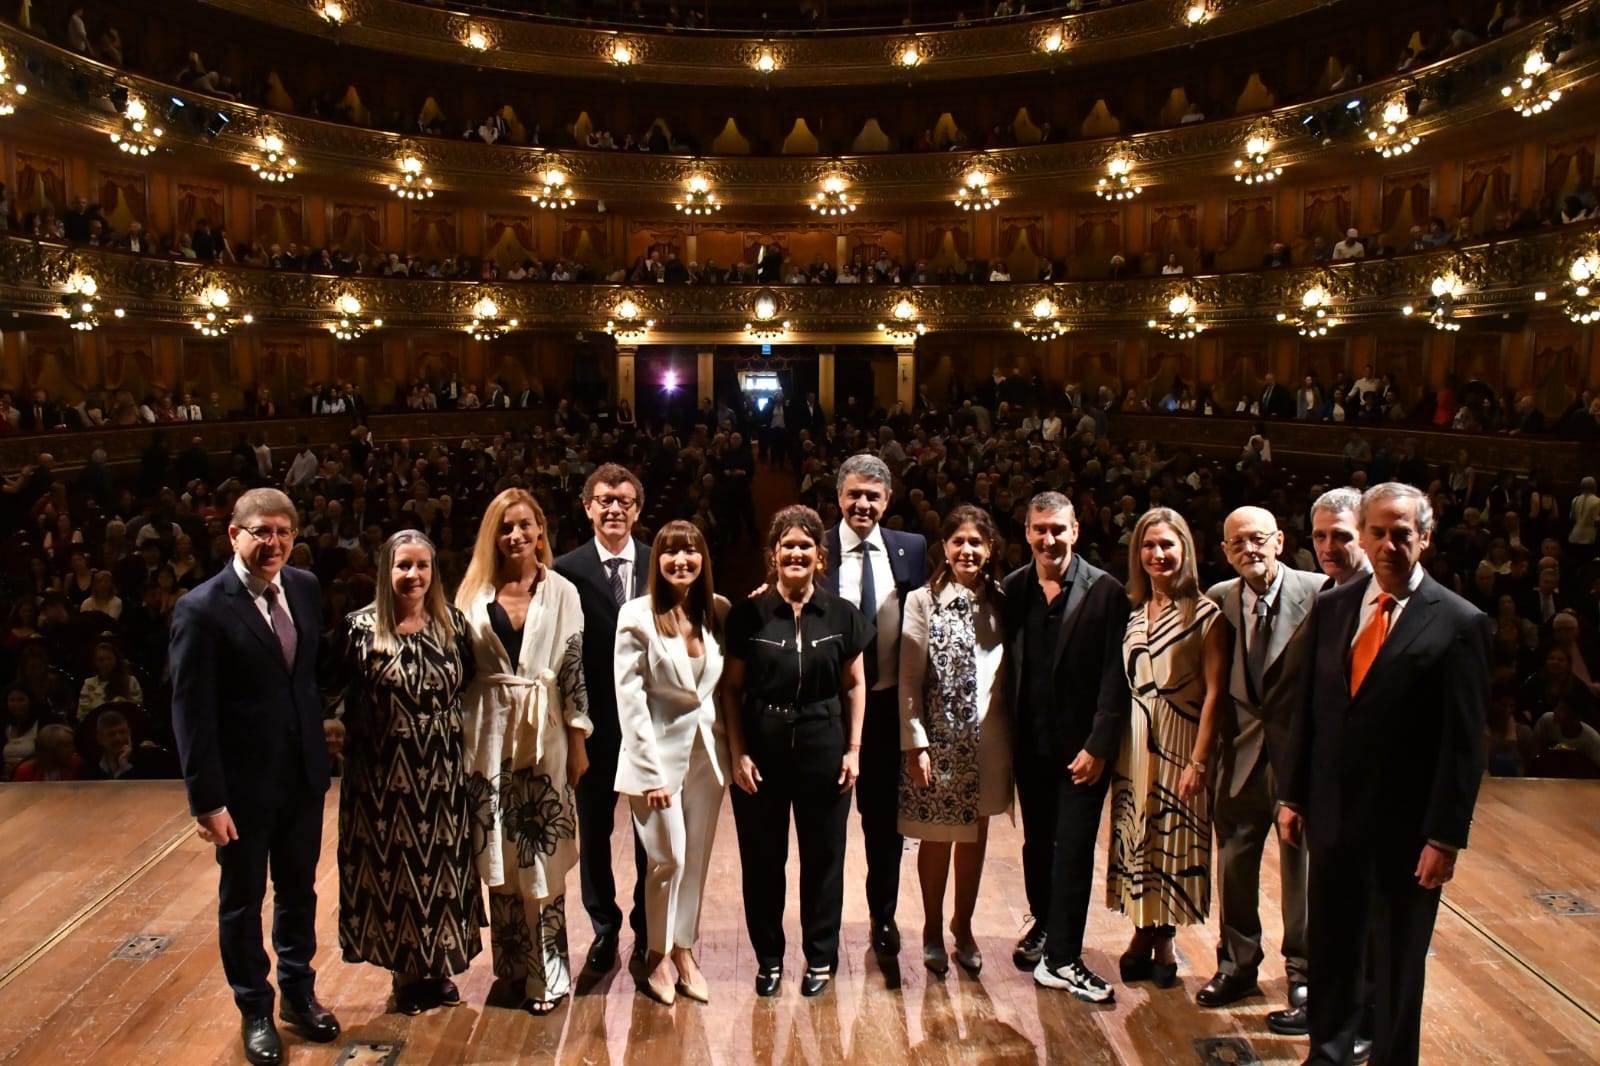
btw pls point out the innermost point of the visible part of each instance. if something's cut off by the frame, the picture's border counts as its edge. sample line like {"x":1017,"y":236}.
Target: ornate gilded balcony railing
{"x":1458,"y":90}
{"x":982,"y":50}
{"x":1495,"y":277}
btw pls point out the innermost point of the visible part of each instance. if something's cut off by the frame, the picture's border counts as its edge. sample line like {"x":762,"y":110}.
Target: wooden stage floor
{"x":88,"y":870}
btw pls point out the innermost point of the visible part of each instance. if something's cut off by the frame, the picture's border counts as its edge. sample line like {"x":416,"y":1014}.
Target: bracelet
{"x":855,"y":747}
{"x":1197,"y":766}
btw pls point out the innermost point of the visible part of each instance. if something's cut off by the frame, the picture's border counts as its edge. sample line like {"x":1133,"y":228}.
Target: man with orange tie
{"x":1384,"y":774}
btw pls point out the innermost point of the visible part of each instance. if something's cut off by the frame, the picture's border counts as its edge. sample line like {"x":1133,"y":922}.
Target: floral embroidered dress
{"x":517,"y":711}
{"x":952,"y":702}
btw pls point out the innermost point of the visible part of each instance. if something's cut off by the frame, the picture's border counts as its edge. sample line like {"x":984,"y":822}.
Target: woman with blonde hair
{"x":406,"y":658}
{"x":1177,"y":663}
{"x":526,"y":715}
{"x":674,"y":761}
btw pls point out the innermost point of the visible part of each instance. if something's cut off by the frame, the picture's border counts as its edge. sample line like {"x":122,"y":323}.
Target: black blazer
{"x":249,"y":728}
{"x":583,"y":568}
{"x":908,"y":558}
{"x":1093,"y":697}
{"x":1399,"y":762}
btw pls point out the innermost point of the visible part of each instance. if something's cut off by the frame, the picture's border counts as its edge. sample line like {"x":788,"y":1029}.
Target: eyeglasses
{"x":267,"y":534}
{"x":627,"y":503}
{"x":1255,"y":540}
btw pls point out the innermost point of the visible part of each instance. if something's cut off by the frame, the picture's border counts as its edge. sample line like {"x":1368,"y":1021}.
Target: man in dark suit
{"x":1388,"y":751}
{"x":248,"y":719}
{"x":1265,"y":607}
{"x":609,"y":570}
{"x":876,"y":569}
{"x":1276,"y":401}
{"x":1064,"y":625}
{"x":40,"y":415}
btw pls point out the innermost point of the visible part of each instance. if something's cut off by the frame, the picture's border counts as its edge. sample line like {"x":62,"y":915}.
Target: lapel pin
{"x":900,"y":551}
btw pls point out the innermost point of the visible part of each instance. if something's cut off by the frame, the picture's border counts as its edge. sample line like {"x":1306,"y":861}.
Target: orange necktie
{"x":1368,"y":641}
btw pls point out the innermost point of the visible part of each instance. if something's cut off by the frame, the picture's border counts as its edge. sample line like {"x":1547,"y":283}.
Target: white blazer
{"x":660,"y":707}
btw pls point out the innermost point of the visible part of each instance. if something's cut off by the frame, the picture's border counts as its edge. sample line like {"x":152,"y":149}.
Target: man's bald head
{"x":1251,"y":537}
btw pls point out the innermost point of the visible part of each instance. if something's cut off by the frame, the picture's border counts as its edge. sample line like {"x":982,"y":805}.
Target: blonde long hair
{"x":1186,"y":587}
{"x":385,"y":638}
{"x":485,"y":565}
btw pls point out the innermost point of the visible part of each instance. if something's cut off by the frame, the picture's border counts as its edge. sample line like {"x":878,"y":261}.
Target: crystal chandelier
{"x":275,"y":164}
{"x":698,"y":199}
{"x":1312,"y":318}
{"x":1389,"y":137}
{"x":1582,"y":302}
{"x":1042,"y":323}
{"x":412,"y":184}
{"x":975,"y":194}
{"x":1527,"y":91}
{"x":487,"y":325}
{"x":1255,"y":167}
{"x":627,"y":326}
{"x":213,"y":320}
{"x":833,"y":199}
{"x":903,"y":327}
{"x":555,"y":194}
{"x":11,"y":92}
{"x":1180,"y":323}
{"x":1445,"y":290}
{"x":138,"y":136}
{"x":351,"y":324}
{"x":766,"y":326}
{"x":80,"y":306}
{"x":1118,"y":182}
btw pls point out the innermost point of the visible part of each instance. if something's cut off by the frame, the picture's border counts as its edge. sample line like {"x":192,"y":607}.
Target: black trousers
{"x":799,"y":767}
{"x":597,"y":814}
{"x":1368,"y":913}
{"x":1060,"y":825}
{"x":284,"y":837}
{"x":878,"y":800}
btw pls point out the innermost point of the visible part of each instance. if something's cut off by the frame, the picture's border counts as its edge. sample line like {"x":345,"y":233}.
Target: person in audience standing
{"x":1388,"y":750}
{"x":409,"y":898}
{"x":1337,"y":539}
{"x":526,"y":718}
{"x":955,"y":728}
{"x":674,"y":760}
{"x":1064,"y":624}
{"x":248,"y":719}
{"x":1264,"y":608}
{"x":794,"y":697}
{"x":876,"y":569}
{"x":1176,"y":656}
{"x":607,"y":571}
{"x":1583,"y":516}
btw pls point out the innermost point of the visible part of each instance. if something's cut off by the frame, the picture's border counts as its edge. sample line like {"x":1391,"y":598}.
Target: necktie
{"x":282,"y":625}
{"x":618,"y":592}
{"x":1255,"y":655}
{"x":869,"y":608}
{"x":1368,"y":641}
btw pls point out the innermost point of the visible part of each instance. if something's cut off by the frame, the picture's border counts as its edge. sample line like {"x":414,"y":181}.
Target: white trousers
{"x":677,"y":841}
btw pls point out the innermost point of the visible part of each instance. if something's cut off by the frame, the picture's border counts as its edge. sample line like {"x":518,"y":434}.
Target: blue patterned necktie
{"x":618,"y":591}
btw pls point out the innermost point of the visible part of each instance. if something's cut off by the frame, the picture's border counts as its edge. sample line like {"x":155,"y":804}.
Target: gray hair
{"x":1399,"y":490}
{"x":1050,"y":503}
{"x":259,"y":502}
{"x":868,"y":466}
{"x":1337,"y":501}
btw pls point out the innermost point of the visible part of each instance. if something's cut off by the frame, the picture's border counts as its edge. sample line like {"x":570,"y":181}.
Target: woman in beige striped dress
{"x":1176,"y":658}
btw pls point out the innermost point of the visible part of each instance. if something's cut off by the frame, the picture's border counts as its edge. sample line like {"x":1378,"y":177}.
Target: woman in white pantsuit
{"x":674,"y":760}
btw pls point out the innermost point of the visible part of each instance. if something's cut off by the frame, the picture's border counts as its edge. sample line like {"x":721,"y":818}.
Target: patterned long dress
{"x":952,"y":702}
{"x":525,"y":824}
{"x":1160,"y":862}
{"x":409,"y":898}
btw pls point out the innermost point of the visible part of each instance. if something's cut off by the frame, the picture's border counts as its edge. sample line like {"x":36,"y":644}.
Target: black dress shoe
{"x":1296,"y":1021}
{"x":1361,"y":1050}
{"x":1297,"y":993}
{"x":768,"y":978}
{"x":602,"y":953}
{"x":446,"y":992}
{"x":1030,"y":949}
{"x":262,"y":1044}
{"x":885,"y":938}
{"x":315,"y":1022}
{"x":816,"y":981}
{"x":1226,"y":988}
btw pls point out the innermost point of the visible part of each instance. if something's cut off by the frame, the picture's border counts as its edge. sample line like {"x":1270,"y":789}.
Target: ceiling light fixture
{"x":1582,"y":301}
{"x":833,"y":199}
{"x":11,"y":92}
{"x":275,"y":164}
{"x":332,"y":13}
{"x":1527,"y":92}
{"x":975,"y":194}
{"x":698,"y":199}
{"x":138,"y":136}
{"x":1180,"y":323}
{"x":903,"y":327}
{"x":766,"y":325}
{"x":1256,"y":167}
{"x":555,"y":193}
{"x":1311,"y":319}
{"x":486,"y":324}
{"x":1118,"y":182}
{"x":1042,"y":323}
{"x":477,"y":40}
{"x":351,"y":324}
{"x":621,"y":53}
{"x":1196,"y":14}
{"x":1388,"y":136}
{"x":627,"y":326}
{"x":909,"y":55}
{"x":412,"y":184}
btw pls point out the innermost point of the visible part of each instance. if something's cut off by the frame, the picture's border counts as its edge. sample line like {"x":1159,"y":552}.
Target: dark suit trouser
{"x":1060,"y":826}
{"x":799,"y":770}
{"x":1368,"y":900}
{"x":597,"y":814}
{"x":1243,"y":823}
{"x":284,"y":838}
{"x":878,"y":800}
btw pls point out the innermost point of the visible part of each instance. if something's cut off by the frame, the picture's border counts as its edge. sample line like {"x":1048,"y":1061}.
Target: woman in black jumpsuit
{"x":794,"y":697}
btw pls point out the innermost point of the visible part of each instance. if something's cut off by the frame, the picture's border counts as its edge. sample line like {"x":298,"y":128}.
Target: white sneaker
{"x":1073,"y":977}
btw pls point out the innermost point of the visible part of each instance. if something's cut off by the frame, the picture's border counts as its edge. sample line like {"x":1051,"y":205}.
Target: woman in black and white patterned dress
{"x":409,"y":898}
{"x":954,"y":728}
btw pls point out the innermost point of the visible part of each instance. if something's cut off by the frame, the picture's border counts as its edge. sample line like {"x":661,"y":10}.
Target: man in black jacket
{"x":1064,"y":625}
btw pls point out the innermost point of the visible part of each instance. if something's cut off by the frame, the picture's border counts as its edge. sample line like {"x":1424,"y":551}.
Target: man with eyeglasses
{"x":1266,"y":606}
{"x":609,"y":570}
{"x":248,"y":720}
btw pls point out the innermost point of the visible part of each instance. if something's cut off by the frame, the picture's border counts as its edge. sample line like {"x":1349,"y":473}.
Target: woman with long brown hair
{"x":526,"y":716}
{"x":954,"y":727}
{"x":1177,"y":663}
{"x":674,"y":756}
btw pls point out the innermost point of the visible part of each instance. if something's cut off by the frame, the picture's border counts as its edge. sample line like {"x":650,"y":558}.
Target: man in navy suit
{"x":609,"y":571}
{"x":876,"y":569}
{"x":1383,"y":776}
{"x":248,"y":719}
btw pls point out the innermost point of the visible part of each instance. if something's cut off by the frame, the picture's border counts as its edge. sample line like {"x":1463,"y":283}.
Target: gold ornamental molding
{"x":1008,"y":46}
{"x":1492,"y":278}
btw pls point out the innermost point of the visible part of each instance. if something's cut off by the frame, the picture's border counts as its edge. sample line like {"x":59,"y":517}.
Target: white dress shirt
{"x":258,"y":588}
{"x":626,"y":569}
{"x":1369,"y":606}
{"x":887,"y":617}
